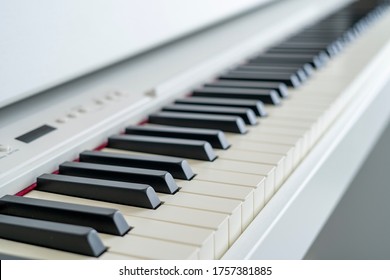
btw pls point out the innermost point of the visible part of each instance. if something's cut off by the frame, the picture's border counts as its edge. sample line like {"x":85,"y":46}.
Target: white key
{"x":267,"y":171}
{"x":244,"y":144}
{"x":258,"y":157}
{"x":242,"y":193}
{"x":301,"y":116}
{"x":318,"y":112}
{"x":199,"y":237}
{"x":227,"y":177}
{"x":231,"y":207}
{"x":310,"y":126}
{"x":148,"y":248}
{"x":293,"y":131}
{"x":299,"y":143}
{"x":114,"y":256}
{"x":296,"y":112}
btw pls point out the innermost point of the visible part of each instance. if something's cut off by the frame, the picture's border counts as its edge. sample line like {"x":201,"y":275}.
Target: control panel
{"x":38,"y":144}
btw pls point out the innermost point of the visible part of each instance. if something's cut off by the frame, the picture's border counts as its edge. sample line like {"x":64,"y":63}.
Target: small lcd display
{"x":35,"y":134}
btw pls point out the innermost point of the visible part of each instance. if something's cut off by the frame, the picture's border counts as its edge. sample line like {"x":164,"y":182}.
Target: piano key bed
{"x":186,"y":183}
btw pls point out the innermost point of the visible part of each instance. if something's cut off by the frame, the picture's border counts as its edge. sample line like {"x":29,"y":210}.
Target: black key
{"x":302,"y":70}
{"x":65,"y":237}
{"x":139,"y":195}
{"x":10,"y":257}
{"x":266,"y":96}
{"x":290,"y":58}
{"x":279,"y":87}
{"x":194,"y":149}
{"x":307,"y":47}
{"x":216,"y":138}
{"x":281,"y":68}
{"x":308,"y":68}
{"x":141,"y":179}
{"x":320,"y":52}
{"x":247,"y":115}
{"x":316,"y":39}
{"x":179,"y":168}
{"x":331,"y":49}
{"x":102,"y":219}
{"x":286,"y":78}
{"x":256,"y":106}
{"x":299,"y":72}
{"x":224,"y":123}
{"x":322,"y":55}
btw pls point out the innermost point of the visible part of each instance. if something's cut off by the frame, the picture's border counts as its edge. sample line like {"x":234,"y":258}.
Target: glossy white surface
{"x":45,"y":43}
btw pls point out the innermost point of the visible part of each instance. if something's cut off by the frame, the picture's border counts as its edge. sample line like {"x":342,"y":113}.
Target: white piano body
{"x":87,"y":100}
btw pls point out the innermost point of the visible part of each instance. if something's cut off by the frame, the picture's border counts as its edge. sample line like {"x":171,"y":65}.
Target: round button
{"x":5,"y":148}
{"x":72,"y":115}
{"x":114,"y":95}
{"x":61,"y":120}
{"x":118,"y":93}
{"x":99,"y":102}
{"x":82,"y":109}
{"x":109,"y":97}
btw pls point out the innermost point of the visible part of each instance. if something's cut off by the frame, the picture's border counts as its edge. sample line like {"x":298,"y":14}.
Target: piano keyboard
{"x":188,"y":182}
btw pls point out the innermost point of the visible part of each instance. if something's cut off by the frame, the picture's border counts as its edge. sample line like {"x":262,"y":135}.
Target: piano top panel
{"x":224,"y":44}
{"x":47,"y":43}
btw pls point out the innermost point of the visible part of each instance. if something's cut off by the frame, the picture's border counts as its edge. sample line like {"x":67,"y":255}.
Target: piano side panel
{"x":359,"y":227}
